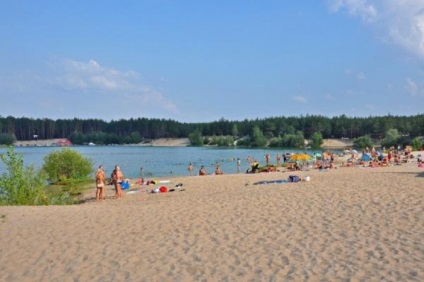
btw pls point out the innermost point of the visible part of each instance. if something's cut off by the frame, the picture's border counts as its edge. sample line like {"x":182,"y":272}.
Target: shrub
{"x":391,"y":138}
{"x":7,"y":139}
{"x":316,"y":140}
{"x":363,"y":142}
{"x":417,"y":144}
{"x":258,"y":138}
{"x":67,"y":166}
{"x":196,"y":138}
{"x":21,"y":185}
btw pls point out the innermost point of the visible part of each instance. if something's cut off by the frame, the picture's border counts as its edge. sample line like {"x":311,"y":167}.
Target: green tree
{"x":21,"y":185}
{"x":7,"y":139}
{"x":196,"y":138}
{"x":391,"y":138}
{"x":293,"y":140}
{"x":417,"y":144}
{"x":67,"y":166}
{"x":258,"y":138}
{"x":234,"y":131}
{"x":316,"y":140}
{"x":363,"y":142}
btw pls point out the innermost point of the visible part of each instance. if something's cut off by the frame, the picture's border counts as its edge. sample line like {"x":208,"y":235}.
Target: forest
{"x":272,"y":131}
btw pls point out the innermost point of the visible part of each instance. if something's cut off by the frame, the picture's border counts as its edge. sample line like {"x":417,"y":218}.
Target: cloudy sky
{"x":199,"y":61}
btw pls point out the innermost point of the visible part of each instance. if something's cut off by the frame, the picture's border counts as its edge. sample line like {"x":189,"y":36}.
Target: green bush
{"x":258,"y":138}
{"x":363,"y":142}
{"x":316,"y":140}
{"x":21,"y":185}
{"x":67,"y":166}
{"x":417,"y":144}
{"x":391,"y":138}
{"x":7,"y":139}
{"x":196,"y":138}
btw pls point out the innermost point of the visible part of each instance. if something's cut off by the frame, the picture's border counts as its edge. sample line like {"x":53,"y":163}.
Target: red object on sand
{"x":163,"y":189}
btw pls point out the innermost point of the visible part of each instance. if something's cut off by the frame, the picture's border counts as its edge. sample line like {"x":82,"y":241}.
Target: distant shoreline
{"x":176,"y":142}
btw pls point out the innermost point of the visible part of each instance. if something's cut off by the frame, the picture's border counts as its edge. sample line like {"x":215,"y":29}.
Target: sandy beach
{"x":347,"y":224}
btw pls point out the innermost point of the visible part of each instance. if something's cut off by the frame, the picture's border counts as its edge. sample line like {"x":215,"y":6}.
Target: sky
{"x":204,"y":60}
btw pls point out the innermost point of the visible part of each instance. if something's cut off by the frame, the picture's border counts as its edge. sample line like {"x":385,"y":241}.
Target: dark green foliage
{"x":316,"y":140}
{"x":7,"y":139}
{"x":67,"y":166}
{"x":363,"y":142}
{"x":258,"y":138}
{"x":293,"y":140}
{"x":391,"y":138}
{"x":417,"y":144}
{"x":21,"y":185}
{"x":196,"y":138}
{"x":220,"y":141}
{"x":136,"y":130}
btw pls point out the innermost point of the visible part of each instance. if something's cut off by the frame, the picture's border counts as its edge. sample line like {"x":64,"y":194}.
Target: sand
{"x":348,"y":224}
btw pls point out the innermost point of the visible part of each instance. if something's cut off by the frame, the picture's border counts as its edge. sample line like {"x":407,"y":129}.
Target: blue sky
{"x":199,"y":61}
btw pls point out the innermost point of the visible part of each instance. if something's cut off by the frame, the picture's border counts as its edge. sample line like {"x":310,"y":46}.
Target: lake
{"x":157,"y":161}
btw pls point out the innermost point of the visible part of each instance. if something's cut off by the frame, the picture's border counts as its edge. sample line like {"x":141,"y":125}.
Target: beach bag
{"x":294,"y":178}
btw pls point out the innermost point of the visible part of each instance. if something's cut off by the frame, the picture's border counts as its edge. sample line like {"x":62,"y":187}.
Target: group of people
{"x":116,"y":178}
{"x":203,"y":171}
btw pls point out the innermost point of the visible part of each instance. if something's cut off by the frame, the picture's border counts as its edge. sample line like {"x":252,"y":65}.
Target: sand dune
{"x":360,"y":224}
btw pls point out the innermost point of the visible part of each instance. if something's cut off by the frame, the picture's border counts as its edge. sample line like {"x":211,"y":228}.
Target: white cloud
{"x":70,"y":88}
{"x":359,"y":75}
{"x":92,"y":76}
{"x":400,"y":21}
{"x":413,"y":88}
{"x":360,"y":8}
{"x":300,"y":99}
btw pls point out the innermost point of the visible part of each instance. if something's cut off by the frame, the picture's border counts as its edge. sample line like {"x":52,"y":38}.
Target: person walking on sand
{"x":100,"y":184}
{"x":118,"y":178}
{"x":190,"y":169}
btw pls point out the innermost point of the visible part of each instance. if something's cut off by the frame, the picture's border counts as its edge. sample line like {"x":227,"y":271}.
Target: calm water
{"x":156,"y":161}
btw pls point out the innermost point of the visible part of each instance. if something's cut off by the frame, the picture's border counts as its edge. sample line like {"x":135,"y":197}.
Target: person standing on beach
{"x":100,"y":184}
{"x":278,"y":159}
{"x":238,"y":165}
{"x":267,"y":159}
{"x":118,"y":178}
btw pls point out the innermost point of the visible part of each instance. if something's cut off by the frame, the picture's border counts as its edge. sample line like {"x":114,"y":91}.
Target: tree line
{"x":272,"y":130}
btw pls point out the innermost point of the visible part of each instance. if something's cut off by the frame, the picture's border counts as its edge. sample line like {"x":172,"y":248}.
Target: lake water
{"x":157,"y":161}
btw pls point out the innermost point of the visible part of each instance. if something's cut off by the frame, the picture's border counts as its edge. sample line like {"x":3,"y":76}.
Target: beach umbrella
{"x":300,"y":157}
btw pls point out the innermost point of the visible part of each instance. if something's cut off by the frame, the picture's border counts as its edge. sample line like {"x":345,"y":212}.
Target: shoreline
{"x":178,"y":142}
